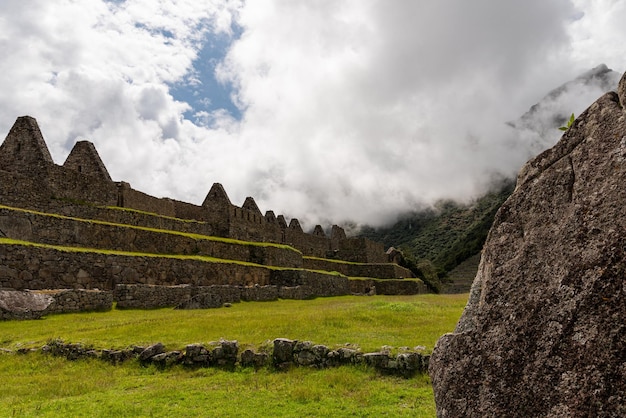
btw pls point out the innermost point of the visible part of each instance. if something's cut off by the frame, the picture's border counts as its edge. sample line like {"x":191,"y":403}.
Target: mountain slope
{"x":438,"y":239}
{"x":446,"y":234}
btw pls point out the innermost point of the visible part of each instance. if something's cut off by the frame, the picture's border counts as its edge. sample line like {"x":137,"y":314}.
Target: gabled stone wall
{"x":30,"y":179}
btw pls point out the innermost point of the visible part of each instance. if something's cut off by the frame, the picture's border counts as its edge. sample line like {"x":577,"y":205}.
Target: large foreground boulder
{"x":544,"y":331}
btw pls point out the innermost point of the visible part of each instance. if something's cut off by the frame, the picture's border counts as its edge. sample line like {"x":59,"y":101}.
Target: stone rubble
{"x":225,"y":354}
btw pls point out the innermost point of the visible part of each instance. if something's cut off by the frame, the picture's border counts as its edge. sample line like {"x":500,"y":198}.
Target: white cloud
{"x":353,"y":110}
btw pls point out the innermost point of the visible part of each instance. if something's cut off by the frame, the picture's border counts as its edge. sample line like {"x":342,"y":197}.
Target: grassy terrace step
{"x":43,"y":266}
{"x":352,"y":269}
{"x":45,"y":386}
{"x":206,"y":259}
{"x":462,"y":277}
{"x":63,"y":230}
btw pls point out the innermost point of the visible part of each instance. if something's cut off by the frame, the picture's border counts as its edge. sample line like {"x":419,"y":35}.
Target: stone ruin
{"x":544,"y":331}
{"x":283,"y":354}
{"x":71,"y":227}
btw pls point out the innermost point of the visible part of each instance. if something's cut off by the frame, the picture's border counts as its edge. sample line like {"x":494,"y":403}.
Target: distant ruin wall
{"x":189,"y":297}
{"x":387,"y":287}
{"x":53,"y":230}
{"x":310,"y":245}
{"x":62,"y":190}
{"x":311,"y":283}
{"x":53,"y":185}
{"x":132,"y":217}
{"x":130,"y":198}
{"x":361,"y":250}
{"x":380,"y":271}
{"x":29,"y":267}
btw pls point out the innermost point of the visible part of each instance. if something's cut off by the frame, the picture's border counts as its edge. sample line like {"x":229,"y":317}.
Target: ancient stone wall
{"x":380,"y":271}
{"x":312,"y":245}
{"x":130,"y":217}
{"x":23,"y":191}
{"x":85,"y":159}
{"x":387,"y":287}
{"x":225,"y":354}
{"x":311,"y":283}
{"x":247,"y":225}
{"x":361,"y":250}
{"x":130,"y":198}
{"x":56,"y":230}
{"x":30,"y":267}
{"x":78,"y":300}
{"x":74,"y":186}
{"x":133,"y":296}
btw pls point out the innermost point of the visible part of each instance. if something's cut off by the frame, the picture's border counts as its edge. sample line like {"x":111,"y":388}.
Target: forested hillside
{"x":447,"y":233}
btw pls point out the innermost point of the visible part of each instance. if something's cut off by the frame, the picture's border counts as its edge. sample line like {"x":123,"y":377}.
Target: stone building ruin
{"x":73,"y":227}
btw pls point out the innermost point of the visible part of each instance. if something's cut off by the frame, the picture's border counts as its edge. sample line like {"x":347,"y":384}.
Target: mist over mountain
{"x":537,"y":126}
{"x":449,"y":232}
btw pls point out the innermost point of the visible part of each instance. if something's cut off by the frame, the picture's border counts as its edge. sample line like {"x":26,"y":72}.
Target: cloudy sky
{"x":324,"y":110}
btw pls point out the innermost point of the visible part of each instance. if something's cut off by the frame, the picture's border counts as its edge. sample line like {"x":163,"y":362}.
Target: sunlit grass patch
{"x":44,"y":386}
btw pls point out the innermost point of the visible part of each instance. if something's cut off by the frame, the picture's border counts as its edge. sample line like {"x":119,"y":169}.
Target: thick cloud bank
{"x":353,"y":110}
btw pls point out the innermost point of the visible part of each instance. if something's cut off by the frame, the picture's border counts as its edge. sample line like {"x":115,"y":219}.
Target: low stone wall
{"x":132,"y":296}
{"x":54,"y":230}
{"x":379,"y":271}
{"x":225,"y":354}
{"x":78,"y":300}
{"x":387,"y":287}
{"x":310,"y":283}
{"x":259,"y":293}
{"x":138,"y":296}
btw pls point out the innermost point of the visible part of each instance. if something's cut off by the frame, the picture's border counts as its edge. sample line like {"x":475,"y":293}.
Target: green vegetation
{"x":444,"y":235}
{"x":569,"y":123}
{"x":39,"y":385}
{"x":42,"y":386}
{"x":369,"y":322}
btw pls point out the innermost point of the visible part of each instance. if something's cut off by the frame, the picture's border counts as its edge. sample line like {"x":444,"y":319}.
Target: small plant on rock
{"x":569,"y":123}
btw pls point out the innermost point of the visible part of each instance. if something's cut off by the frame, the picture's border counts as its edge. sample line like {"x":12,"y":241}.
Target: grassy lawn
{"x":40,"y":385}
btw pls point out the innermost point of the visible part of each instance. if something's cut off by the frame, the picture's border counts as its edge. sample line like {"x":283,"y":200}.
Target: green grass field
{"x":39,"y":385}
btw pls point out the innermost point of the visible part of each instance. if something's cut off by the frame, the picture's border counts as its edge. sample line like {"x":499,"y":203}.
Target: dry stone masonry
{"x":544,"y":331}
{"x":85,"y":241}
{"x":281,"y":355}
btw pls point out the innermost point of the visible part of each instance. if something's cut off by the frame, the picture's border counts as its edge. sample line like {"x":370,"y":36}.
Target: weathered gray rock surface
{"x":544,"y":331}
{"x":16,"y":304}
